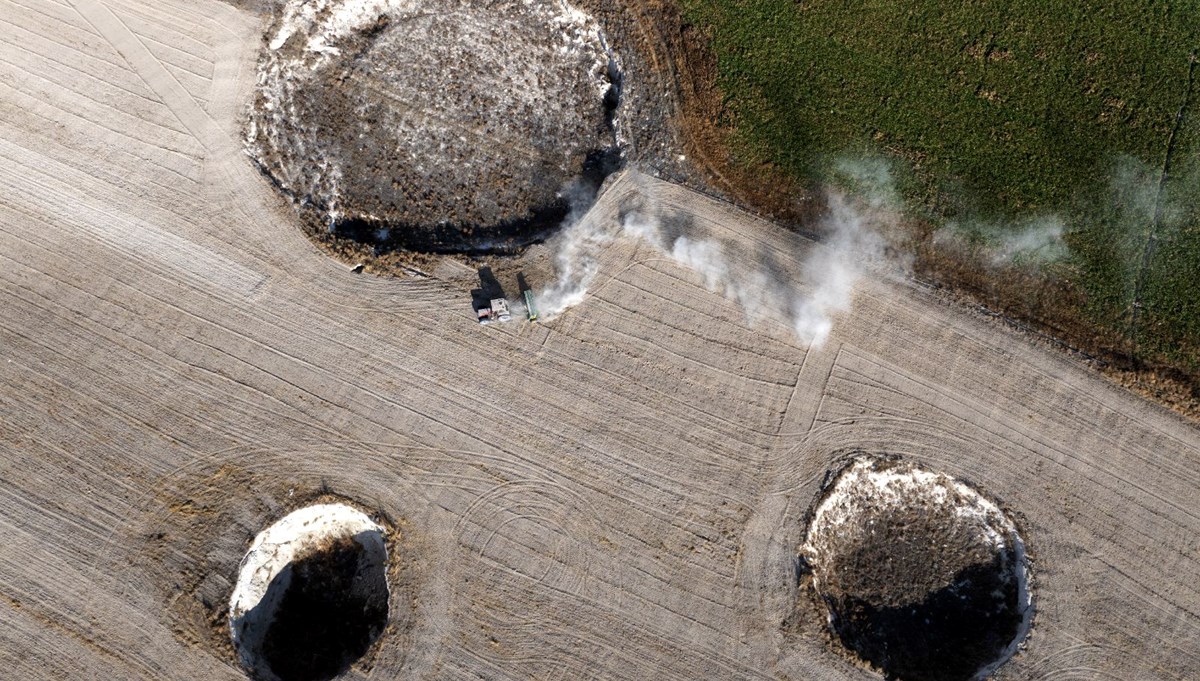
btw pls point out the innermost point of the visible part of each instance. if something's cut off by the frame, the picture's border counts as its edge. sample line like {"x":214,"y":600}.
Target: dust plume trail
{"x":832,"y":270}
{"x":1033,"y":241}
{"x":803,"y":285}
{"x":576,"y":255}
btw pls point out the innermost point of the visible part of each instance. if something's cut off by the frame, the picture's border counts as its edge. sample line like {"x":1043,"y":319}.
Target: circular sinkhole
{"x":923,"y":577}
{"x":438,"y":125}
{"x":311,"y":595}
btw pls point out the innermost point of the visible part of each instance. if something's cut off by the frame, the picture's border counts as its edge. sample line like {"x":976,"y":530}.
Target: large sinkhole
{"x":437,"y":125}
{"x":923,"y":578}
{"x":311,"y":595}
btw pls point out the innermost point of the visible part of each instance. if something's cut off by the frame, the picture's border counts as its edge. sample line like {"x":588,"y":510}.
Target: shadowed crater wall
{"x":329,"y":612}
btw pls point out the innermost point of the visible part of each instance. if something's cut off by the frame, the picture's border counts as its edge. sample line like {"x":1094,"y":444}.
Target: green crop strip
{"x":996,"y":113}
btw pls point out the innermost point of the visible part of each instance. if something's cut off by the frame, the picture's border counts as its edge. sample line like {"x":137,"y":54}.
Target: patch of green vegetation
{"x":998,"y":113}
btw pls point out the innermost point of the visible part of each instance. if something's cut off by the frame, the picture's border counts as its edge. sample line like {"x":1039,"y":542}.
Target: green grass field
{"x":996,"y":113}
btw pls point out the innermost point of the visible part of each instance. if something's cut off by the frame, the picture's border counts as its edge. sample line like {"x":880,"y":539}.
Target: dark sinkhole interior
{"x":949,"y":635}
{"x":322,"y":612}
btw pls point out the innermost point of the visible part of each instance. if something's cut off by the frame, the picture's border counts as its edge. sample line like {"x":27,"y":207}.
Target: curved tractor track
{"x":617,"y":493}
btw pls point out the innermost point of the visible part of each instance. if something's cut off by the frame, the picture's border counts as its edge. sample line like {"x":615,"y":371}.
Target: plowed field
{"x":618,"y":493}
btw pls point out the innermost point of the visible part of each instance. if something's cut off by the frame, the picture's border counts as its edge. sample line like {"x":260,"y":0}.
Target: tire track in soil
{"x":152,"y":72}
{"x":1156,"y":221}
{"x":669,"y":599}
{"x":531,"y":542}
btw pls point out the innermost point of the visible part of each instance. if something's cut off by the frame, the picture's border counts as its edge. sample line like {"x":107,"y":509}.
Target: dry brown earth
{"x":616,"y":494}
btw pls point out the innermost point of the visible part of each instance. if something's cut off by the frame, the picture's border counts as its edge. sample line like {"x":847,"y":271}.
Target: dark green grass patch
{"x":996,"y":112}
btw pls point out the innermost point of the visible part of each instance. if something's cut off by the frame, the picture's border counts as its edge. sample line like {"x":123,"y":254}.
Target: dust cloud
{"x":1138,"y":206}
{"x":1033,"y":241}
{"x":796,"y":282}
{"x":577,"y":251}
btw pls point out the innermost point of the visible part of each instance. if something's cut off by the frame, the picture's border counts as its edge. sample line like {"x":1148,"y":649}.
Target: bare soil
{"x":1048,"y":306}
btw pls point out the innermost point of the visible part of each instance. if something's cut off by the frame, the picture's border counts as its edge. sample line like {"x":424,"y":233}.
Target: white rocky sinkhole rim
{"x":279,"y":545}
